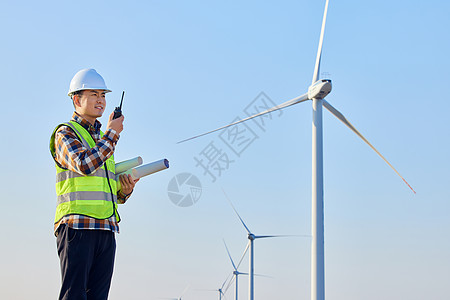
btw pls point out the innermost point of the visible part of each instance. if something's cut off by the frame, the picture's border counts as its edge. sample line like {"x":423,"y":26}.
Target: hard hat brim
{"x":90,"y":88}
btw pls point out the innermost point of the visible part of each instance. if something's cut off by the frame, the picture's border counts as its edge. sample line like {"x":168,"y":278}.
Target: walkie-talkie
{"x":118,"y":110}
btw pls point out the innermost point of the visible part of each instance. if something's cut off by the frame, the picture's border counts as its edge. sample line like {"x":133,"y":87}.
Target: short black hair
{"x":76,"y":93}
{"x":73,"y":94}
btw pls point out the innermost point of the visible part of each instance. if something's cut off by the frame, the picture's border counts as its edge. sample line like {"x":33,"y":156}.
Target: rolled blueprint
{"x":128,"y":164}
{"x":145,"y":170}
{"x":150,"y":168}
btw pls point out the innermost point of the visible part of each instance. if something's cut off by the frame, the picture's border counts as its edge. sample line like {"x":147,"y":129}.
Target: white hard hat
{"x":87,"y":79}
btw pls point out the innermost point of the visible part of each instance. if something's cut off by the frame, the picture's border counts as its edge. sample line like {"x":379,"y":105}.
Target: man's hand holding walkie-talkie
{"x":116,"y":118}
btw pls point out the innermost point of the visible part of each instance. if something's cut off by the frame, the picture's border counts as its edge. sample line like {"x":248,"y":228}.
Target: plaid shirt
{"x":71,"y":154}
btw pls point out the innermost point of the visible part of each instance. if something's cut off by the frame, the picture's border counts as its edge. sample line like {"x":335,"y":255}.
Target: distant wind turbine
{"x":236,"y":273}
{"x":251,"y":237}
{"x":182,"y":294}
{"x":220,"y":290}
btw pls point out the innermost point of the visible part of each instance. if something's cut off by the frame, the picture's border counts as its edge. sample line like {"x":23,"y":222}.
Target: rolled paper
{"x":144,"y":170}
{"x":128,"y":164}
{"x":150,"y":168}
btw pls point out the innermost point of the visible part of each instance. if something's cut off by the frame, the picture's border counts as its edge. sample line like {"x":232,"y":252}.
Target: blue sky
{"x":191,"y":66}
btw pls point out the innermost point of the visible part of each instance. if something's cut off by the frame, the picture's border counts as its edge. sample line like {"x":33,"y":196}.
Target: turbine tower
{"x":318,"y":90}
{"x":317,"y":224}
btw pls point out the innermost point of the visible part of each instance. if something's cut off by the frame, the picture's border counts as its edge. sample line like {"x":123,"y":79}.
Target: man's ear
{"x":76,"y":100}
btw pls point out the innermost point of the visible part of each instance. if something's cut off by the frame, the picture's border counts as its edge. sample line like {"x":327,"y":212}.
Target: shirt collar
{"x":85,"y":123}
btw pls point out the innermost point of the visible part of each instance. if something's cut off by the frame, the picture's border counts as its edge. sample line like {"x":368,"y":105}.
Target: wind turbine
{"x":251,"y":237}
{"x":317,"y":91}
{"x":236,"y":273}
{"x":182,"y":294}
{"x":220,"y":290}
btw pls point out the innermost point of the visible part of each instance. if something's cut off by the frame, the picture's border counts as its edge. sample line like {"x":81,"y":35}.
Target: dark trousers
{"x":87,"y":263}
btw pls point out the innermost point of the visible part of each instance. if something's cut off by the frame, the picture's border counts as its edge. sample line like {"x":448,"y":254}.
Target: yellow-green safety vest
{"x":93,"y":195}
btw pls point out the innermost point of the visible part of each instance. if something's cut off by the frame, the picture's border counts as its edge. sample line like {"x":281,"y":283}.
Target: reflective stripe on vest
{"x":81,"y":196}
{"x":98,"y":173}
{"x":89,"y":195}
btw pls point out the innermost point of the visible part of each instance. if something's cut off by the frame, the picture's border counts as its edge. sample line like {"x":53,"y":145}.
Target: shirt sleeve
{"x":71,"y":154}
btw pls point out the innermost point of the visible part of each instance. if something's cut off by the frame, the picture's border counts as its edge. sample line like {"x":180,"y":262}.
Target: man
{"x":87,"y":191}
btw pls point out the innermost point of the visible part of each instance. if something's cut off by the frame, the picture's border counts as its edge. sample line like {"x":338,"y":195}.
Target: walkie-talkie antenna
{"x":121,"y":100}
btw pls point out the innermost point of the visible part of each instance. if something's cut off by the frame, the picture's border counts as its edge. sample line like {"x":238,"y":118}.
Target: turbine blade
{"x":261,"y":275}
{"x":229,"y":255}
{"x":284,"y":235}
{"x":243,"y":254}
{"x":319,"y":50}
{"x":230,"y":283}
{"x":185,"y":290}
{"x":242,"y":221}
{"x":341,"y":117}
{"x":265,"y":236}
{"x":297,"y":100}
{"x":223,"y":284}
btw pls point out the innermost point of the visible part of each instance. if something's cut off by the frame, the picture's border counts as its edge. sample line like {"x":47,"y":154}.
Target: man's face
{"x":91,"y":104}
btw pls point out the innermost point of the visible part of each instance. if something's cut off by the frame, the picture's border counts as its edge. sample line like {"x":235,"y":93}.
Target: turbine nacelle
{"x":320,"y":89}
